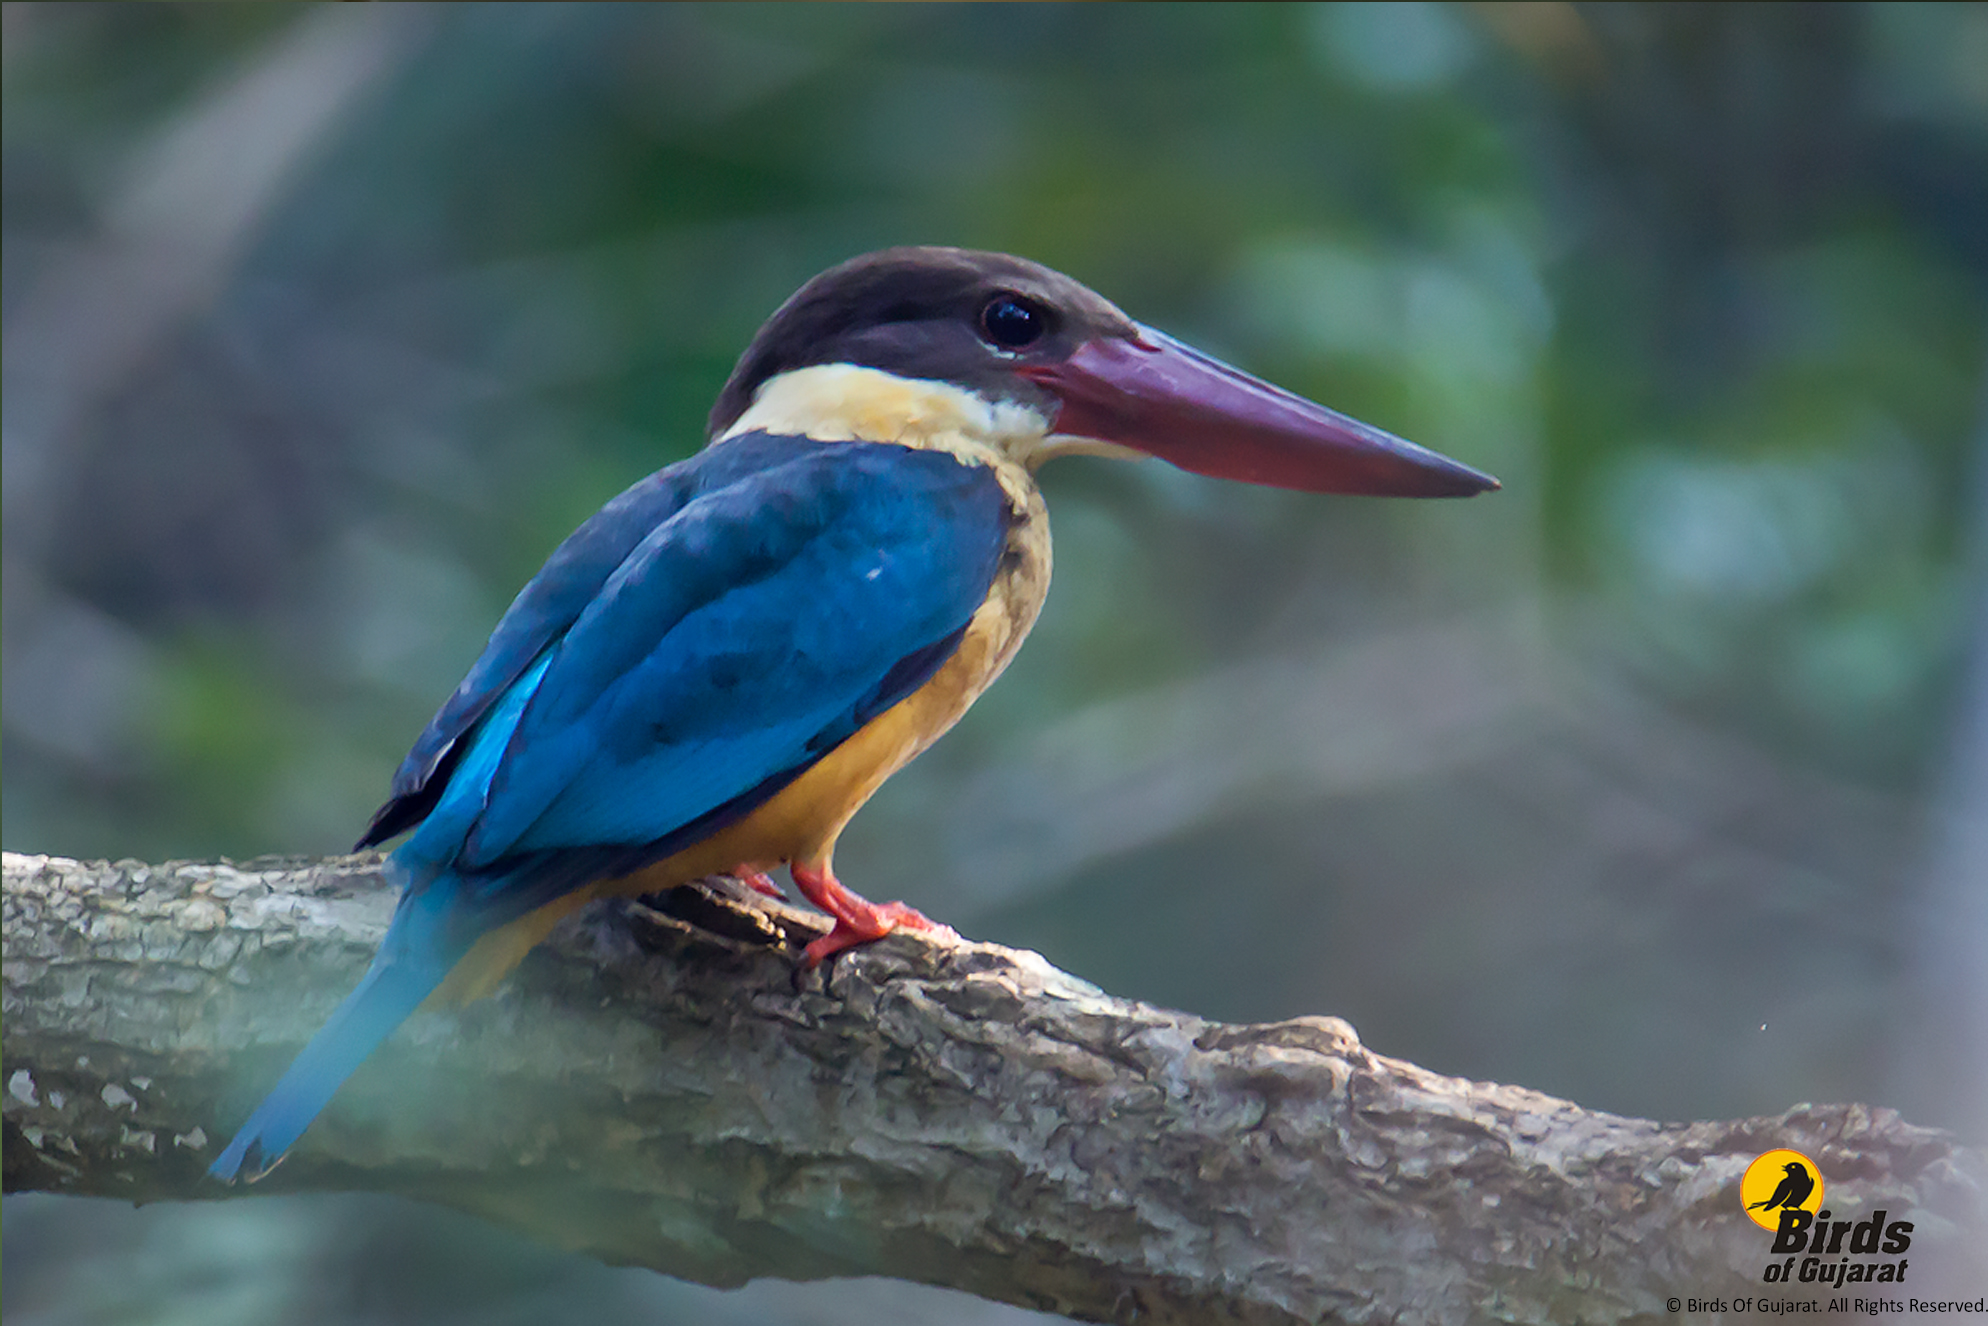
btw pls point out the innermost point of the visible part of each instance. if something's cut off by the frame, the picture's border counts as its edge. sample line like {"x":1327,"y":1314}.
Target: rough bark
{"x":661,"y":1089}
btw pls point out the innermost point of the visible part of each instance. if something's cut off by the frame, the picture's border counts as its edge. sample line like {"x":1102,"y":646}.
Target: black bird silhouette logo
{"x":1791,"y":1192}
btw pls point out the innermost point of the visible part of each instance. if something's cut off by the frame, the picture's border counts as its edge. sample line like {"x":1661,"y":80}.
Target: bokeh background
{"x":1658,"y":780}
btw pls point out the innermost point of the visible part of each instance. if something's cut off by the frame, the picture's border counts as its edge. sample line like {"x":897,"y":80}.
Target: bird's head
{"x":1016,"y":335}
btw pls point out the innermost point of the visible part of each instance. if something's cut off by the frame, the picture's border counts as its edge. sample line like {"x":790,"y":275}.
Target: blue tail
{"x":401,"y":977}
{"x":434,"y":924}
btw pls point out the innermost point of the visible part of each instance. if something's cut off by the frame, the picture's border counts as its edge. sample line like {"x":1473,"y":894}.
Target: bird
{"x":1791,"y":1192}
{"x":713,"y":672}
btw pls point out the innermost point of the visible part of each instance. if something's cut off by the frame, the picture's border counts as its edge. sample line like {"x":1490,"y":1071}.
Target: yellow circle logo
{"x":1780,"y":1181}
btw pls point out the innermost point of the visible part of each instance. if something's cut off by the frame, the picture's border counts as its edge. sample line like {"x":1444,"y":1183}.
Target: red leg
{"x":857,"y":920}
{"x":759,"y":882}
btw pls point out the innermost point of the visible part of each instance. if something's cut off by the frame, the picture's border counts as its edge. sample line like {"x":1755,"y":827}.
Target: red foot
{"x":857,"y":920}
{"x":759,"y":882}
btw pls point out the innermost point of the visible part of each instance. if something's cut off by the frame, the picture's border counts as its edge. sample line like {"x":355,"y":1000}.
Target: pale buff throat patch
{"x":847,"y":403}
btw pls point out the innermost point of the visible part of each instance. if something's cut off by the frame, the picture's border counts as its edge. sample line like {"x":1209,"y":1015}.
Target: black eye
{"x":1012,"y":323}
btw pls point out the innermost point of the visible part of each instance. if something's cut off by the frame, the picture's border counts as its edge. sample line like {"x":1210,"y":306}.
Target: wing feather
{"x":761,"y":621}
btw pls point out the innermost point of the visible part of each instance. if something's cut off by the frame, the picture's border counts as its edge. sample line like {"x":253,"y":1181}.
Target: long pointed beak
{"x":1192,"y":410}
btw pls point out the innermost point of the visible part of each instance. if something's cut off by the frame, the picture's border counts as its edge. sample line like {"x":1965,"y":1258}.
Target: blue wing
{"x":549,"y":605}
{"x":759,"y":624}
{"x":965,"y":518}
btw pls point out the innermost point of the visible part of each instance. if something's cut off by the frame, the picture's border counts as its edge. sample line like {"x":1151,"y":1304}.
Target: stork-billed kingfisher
{"x":720,"y":666}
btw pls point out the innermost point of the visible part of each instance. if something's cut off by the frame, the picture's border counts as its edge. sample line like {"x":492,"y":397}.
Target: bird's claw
{"x":857,"y":919}
{"x":884,"y":917}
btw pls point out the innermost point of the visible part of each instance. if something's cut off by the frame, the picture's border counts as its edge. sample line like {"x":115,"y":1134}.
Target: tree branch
{"x":661,"y":1090}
